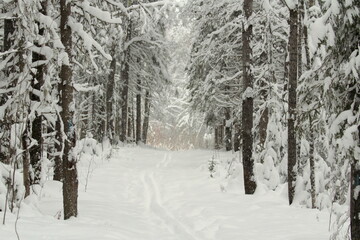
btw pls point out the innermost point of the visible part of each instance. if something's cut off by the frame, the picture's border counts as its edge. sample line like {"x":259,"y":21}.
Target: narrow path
{"x":155,"y":203}
{"x":145,"y":194}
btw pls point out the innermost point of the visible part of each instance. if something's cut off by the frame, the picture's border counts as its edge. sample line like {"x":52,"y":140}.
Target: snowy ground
{"x":146,"y":194}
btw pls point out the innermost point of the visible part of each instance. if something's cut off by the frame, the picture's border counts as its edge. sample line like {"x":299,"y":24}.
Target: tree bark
{"x":35,"y":150}
{"x":306,"y":37}
{"x":263,"y":124}
{"x":355,"y":196}
{"x":312,"y":138}
{"x":228,"y":132}
{"x":117,"y":121}
{"x":300,"y":35}
{"x":124,"y":101}
{"x":58,"y":168}
{"x":248,"y":103}
{"x":133,"y":120}
{"x":86,"y":112}
{"x":138,"y":112}
{"x":70,"y":183}
{"x":301,"y":14}
{"x":9,"y":29}
{"x":25,"y":135}
{"x":36,"y":126}
{"x":129,"y":135}
{"x":26,"y":163}
{"x":237,"y":136}
{"x":146,"y":116}
{"x":293,"y":71}
{"x":264,"y":118}
{"x":216,"y":138}
{"x":124,"y":75}
{"x":312,"y":163}
{"x":354,"y":105}
{"x":221,"y":129}
{"x":110,"y":98}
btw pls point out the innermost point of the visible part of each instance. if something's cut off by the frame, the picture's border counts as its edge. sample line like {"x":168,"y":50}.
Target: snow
{"x":85,"y":87}
{"x":120,"y":6}
{"x":148,"y":194}
{"x":318,"y":31}
{"x":248,"y":93}
{"x":291,"y":3}
{"x":88,"y":41}
{"x":52,"y":25}
{"x":63,"y":59}
{"x":102,"y":15}
{"x":267,"y":6}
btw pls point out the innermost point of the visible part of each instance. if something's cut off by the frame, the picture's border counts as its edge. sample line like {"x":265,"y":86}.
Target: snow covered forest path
{"x":146,"y":194}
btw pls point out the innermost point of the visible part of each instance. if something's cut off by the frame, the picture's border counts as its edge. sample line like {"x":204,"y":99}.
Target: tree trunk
{"x":216,"y":138}
{"x":237,"y":136}
{"x":293,"y":71}
{"x":124,"y":102}
{"x":9,"y":29}
{"x":36,"y":127}
{"x":248,"y":103}
{"x":124,"y":75}
{"x":130,"y":135}
{"x":117,"y":122}
{"x":58,"y":168}
{"x":312,"y":139}
{"x":306,"y":38}
{"x":133,"y":120}
{"x":301,"y":14}
{"x":26,"y":167}
{"x":312,"y":163}
{"x":263,"y":124}
{"x":221,"y":129}
{"x":110,"y":98}
{"x":70,"y":183}
{"x":264,"y":118}
{"x":35,"y":150}
{"x":25,"y":136}
{"x":146,"y":116}
{"x":300,"y":35}
{"x":227,"y":139}
{"x":138,"y":112}
{"x":354,"y":197}
{"x":286,"y":73}
{"x":85,"y":126}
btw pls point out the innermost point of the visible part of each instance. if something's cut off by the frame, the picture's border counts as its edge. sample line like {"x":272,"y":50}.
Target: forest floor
{"x":148,"y":194}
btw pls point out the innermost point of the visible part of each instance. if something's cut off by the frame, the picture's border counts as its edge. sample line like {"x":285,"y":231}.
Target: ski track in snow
{"x":147,"y":194}
{"x":155,"y":204}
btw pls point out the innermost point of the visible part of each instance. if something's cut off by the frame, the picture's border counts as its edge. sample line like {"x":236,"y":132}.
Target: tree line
{"x":279,"y":82}
{"x":72,"y":70}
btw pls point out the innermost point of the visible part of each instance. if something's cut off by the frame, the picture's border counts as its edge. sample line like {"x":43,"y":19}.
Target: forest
{"x":258,"y":99}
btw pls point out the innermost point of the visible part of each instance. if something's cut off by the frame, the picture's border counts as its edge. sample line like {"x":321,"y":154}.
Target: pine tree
{"x":292,"y":98}
{"x":124,"y":76}
{"x":9,"y":30}
{"x":145,"y":125}
{"x":138,"y":138}
{"x":36,"y":126}
{"x":247,"y":104}
{"x":110,"y":131}
{"x":70,"y":182}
